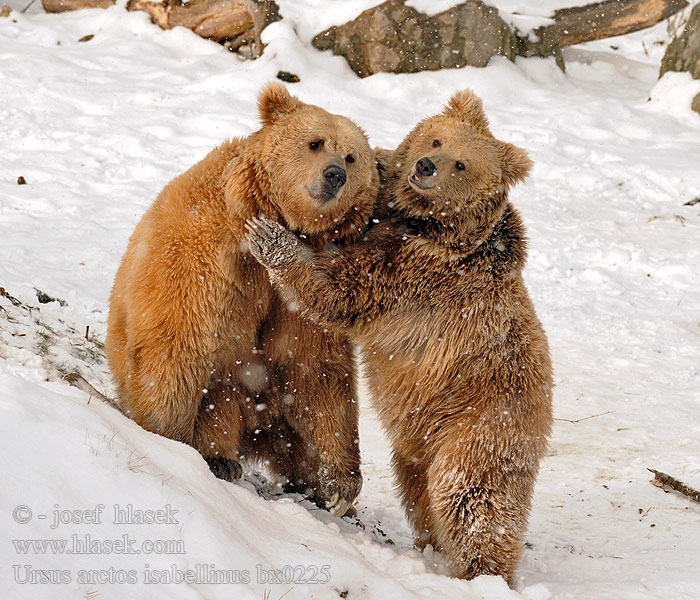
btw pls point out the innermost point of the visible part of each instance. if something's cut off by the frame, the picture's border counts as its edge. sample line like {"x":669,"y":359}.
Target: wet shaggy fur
{"x":457,"y":361}
{"x":201,"y":347}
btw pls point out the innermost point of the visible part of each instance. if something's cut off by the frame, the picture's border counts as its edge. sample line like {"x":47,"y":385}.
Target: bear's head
{"x":450,"y":167}
{"x":313,"y":171}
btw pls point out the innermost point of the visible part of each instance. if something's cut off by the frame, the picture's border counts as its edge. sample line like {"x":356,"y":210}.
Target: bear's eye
{"x":460,"y":166}
{"x":437,"y":143}
{"x":350,"y":159}
{"x":315,"y":145}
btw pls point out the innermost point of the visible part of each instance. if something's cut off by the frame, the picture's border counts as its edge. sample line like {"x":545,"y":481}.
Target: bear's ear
{"x":383,"y":158}
{"x":275,"y":102}
{"x":466,"y":106}
{"x":515,"y":164}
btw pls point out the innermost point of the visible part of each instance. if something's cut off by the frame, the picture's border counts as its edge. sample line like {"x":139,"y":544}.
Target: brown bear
{"x":457,"y":361}
{"x":201,"y":347}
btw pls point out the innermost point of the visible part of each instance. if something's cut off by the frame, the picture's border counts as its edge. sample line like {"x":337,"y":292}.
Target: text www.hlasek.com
{"x":87,"y":544}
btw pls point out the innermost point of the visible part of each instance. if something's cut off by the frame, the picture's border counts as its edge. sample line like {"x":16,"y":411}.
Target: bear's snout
{"x":335,"y":176}
{"x":425,"y":167}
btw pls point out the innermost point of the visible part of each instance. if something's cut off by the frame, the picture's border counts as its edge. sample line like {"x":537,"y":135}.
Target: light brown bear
{"x":457,"y":361}
{"x":201,"y":347}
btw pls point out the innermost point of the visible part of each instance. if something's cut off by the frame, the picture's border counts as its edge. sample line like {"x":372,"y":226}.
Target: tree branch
{"x":668,"y":484}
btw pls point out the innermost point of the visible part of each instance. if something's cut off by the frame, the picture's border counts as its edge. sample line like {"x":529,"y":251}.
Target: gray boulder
{"x":683,"y":53}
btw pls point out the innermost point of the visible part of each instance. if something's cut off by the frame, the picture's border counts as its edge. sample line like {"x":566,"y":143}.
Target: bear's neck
{"x":246,"y":191}
{"x":349,"y":229}
{"x":462,"y":231}
{"x":497,"y":241}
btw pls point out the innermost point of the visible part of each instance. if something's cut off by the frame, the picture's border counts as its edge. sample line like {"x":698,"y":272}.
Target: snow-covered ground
{"x":98,"y":127}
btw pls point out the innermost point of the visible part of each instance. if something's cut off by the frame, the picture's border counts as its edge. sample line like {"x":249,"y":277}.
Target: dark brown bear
{"x":201,"y":347}
{"x":458,"y":363}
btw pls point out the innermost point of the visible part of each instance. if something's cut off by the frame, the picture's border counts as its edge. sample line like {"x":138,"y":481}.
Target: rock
{"x":542,"y":42}
{"x":393,"y":37}
{"x":695,"y":104}
{"x":44,"y":298}
{"x":288,"y":77}
{"x":683,"y":53}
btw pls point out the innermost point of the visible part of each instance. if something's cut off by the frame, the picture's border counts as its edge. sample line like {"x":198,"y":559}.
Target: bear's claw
{"x":270,"y":243}
{"x":339,"y":489}
{"x":340,"y":507}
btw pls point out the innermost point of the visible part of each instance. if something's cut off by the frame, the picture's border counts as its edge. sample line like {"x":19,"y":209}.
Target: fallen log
{"x":57,"y":6}
{"x":217,"y":20}
{"x":212,"y":19}
{"x":610,"y":18}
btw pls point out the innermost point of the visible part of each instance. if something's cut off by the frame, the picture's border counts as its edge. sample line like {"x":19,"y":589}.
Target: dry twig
{"x":670,"y":484}
{"x":585,"y":418}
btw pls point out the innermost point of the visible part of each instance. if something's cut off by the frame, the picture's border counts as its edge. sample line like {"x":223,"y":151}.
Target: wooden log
{"x":610,"y":18}
{"x":263,"y":12}
{"x":216,"y":20}
{"x":159,"y":10}
{"x":212,"y":19}
{"x":57,"y":6}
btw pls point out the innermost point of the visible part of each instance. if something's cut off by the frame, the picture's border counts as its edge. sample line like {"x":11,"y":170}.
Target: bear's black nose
{"x":425,"y":167}
{"x":335,"y":176}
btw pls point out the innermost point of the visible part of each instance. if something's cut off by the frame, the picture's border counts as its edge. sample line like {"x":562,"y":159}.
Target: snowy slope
{"x":98,"y":127}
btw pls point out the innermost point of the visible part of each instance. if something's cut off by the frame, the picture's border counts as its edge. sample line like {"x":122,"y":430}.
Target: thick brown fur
{"x":457,"y":361}
{"x":201,"y":347}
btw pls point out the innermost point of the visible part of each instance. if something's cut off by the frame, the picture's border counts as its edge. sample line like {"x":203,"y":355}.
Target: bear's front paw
{"x":270,"y":243}
{"x":226,"y":469}
{"x":339,"y":489}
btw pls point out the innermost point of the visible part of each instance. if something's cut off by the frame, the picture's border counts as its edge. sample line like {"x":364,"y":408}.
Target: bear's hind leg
{"x":413,"y":486}
{"x":479,"y":510}
{"x":319,"y":403}
{"x":163,"y":396}
{"x":218,"y":430}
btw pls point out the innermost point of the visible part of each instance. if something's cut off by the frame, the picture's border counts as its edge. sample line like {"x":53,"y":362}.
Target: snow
{"x":519,"y":14}
{"x":98,"y":127}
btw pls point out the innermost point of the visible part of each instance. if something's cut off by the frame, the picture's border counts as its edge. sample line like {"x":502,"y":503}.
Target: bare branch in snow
{"x":670,"y":484}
